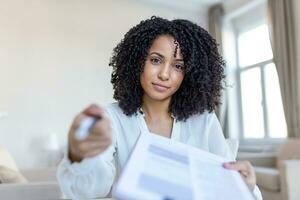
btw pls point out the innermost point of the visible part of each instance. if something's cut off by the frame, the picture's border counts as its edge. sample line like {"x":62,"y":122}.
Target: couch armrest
{"x":40,"y":175}
{"x":33,"y":191}
{"x":7,"y":160}
{"x":290,"y":179}
{"x":268,"y":178}
{"x":259,"y":159}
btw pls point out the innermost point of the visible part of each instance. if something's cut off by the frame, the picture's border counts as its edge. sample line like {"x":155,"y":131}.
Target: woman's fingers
{"x":98,"y":139}
{"x":88,"y":147}
{"x":94,"y":111}
{"x":101,"y":127}
{"x":93,"y":153}
{"x":245,"y":168}
{"x":238,"y":166}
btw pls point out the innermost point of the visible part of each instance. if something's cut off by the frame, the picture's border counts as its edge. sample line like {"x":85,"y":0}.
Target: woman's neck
{"x":156,"y":110}
{"x":157,"y":116}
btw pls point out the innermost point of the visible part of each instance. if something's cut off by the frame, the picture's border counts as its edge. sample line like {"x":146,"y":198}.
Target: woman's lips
{"x":160,"y":88}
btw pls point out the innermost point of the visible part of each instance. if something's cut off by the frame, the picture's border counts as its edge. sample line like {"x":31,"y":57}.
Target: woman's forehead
{"x":167,"y":46}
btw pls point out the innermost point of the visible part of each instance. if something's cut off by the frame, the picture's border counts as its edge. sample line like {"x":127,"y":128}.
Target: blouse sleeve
{"x":216,"y":140}
{"x":92,"y":177}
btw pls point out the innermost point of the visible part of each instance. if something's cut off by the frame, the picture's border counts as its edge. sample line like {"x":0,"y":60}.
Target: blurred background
{"x":54,"y":62}
{"x":54,"y":57}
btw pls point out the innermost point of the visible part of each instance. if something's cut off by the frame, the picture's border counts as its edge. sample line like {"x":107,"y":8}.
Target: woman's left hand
{"x":245,"y":169}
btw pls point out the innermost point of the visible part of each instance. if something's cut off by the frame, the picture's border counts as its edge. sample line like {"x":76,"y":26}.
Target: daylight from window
{"x":262,"y":110}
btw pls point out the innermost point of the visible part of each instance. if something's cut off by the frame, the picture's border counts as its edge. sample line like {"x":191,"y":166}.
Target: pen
{"x":84,"y":129}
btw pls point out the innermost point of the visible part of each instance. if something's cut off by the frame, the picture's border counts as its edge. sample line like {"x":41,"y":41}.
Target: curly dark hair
{"x":201,"y":88}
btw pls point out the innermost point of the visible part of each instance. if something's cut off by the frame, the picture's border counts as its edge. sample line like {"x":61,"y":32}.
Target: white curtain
{"x":215,"y":15}
{"x":282,"y":34}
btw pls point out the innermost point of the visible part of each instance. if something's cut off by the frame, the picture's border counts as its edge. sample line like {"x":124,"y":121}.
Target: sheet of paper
{"x":163,"y":169}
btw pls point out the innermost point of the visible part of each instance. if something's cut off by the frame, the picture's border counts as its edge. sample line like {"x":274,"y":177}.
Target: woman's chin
{"x":159,"y":97}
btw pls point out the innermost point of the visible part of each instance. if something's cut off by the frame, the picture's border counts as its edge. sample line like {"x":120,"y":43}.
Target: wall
{"x":54,"y":58}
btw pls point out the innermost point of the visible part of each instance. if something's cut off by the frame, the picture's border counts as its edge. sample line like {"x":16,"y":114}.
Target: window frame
{"x":239,"y":70}
{"x":230,"y":29}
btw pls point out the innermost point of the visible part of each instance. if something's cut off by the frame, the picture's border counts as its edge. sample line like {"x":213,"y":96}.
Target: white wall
{"x":54,"y":58}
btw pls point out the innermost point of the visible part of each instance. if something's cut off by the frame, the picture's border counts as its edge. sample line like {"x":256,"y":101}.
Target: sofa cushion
{"x":8,"y":175}
{"x":30,"y":191}
{"x":268,"y":178}
{"x":7,"y":160}
{"x":40,"y":174}
{"x":290,"y":150}
{"x":264,"y":159}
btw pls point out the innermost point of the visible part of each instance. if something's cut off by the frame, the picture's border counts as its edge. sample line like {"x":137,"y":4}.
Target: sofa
{"x":278,"y":174}
{"x":41,"y":184}
{"x":33,"y":184}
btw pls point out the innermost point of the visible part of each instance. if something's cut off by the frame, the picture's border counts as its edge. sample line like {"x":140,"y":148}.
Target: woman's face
{"x":164,"y":70}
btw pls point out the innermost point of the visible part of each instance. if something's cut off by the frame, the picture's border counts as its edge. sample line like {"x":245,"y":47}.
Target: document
{"x":164,"y":169}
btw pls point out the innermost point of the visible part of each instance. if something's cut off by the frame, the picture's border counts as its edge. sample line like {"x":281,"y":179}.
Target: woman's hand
{"x":98,"y":140}
{"x":245,"y":169}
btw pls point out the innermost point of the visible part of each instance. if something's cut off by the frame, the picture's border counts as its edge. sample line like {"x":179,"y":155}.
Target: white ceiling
{"x":186,"y":4}
{"x":198,"y":2}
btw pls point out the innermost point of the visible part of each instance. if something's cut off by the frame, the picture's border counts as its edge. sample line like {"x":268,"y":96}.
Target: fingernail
{"x":226,"y":165}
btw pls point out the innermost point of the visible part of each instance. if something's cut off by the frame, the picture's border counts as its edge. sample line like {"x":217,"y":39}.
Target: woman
{"x":167,"y":75}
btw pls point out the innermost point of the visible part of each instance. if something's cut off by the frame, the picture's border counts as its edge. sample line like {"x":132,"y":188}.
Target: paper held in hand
{"x":163,"y":169}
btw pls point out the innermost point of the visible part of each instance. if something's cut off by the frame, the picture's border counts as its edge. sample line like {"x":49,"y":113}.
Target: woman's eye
{"x":179,"y":67}
{"x":155,"y":61}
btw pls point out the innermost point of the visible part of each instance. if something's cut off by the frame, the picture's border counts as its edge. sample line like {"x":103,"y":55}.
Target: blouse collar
{"x":175,"y":135}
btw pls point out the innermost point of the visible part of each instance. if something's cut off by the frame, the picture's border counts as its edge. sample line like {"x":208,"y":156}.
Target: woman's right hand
{"x":99,"y":139}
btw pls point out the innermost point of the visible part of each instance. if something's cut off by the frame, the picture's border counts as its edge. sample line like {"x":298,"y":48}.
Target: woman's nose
{"x":164,"y":73}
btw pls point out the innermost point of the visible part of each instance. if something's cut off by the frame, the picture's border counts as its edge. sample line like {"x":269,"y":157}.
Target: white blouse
{"x":93,"y":177}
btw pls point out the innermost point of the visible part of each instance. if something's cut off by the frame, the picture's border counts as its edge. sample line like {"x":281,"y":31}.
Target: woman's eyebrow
{"x":160,"y":55}
{"x":179,"y":60}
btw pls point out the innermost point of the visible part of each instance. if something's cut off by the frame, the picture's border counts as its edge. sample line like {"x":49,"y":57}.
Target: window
{"x":260,"y":99}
